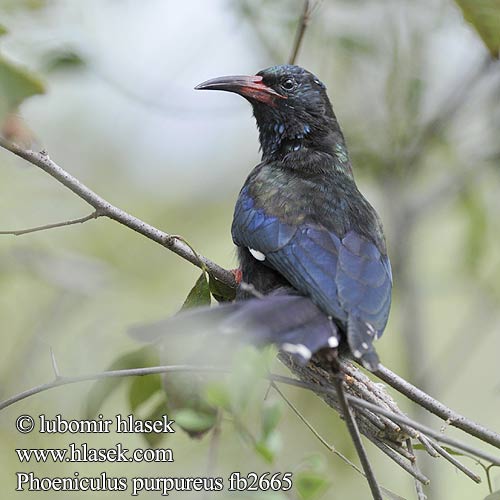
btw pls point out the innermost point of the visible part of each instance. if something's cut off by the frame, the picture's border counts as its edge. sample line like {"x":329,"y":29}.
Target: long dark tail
{"x":293,"y":323}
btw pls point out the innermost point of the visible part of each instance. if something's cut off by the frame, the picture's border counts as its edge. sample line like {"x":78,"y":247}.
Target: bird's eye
{"x":288,"y":84}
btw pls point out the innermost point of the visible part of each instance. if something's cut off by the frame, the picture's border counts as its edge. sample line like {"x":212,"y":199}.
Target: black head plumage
{"x":293,"y":112}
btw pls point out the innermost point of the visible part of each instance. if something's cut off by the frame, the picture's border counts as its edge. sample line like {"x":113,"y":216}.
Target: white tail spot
{"x":333,"y":342}
{"x":299,"y":349}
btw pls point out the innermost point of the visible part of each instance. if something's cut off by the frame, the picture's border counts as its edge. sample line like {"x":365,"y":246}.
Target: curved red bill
{"x":251,"y":87}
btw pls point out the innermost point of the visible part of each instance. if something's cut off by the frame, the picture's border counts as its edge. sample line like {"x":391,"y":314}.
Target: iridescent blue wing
{"x":347,"y":277}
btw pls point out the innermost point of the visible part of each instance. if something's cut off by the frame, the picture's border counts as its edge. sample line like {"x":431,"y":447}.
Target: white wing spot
{"x":371,"y":330}
{"x":333,"y":342}
{"x":364,"y":345}
{"x":257,"y":255}
{"x":357,"y":354}
{"x":299,"y":349}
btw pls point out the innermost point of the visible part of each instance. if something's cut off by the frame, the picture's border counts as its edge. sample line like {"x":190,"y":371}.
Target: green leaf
{"x":217,"y":395}
{"x":220,"y":291}
{"x":185,"y":393}
{"x":310,"y":485}
{"x":194,"y":421}
{"x":271,"y":415}
{"x":199,"y":294}
{"x":484,"y":15}
{"x":493,"y":496}
{"x":154,"y":438}
{"x":16,"y":85}
{"x":249,"y":367}
{"x":100,"y":390}
{"x":262,"y":449}
{"x":143,"y":388}
{"x":269,"y":446}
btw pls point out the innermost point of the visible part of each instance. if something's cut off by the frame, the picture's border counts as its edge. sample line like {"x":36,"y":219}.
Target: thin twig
{"x":80,"y":220}
{"x":399,"y":460}
{"x":320,"y":438}
{"x":356,"y":439}
{"x":437,"y":408}
{"x":276,"y":378}
{"x":106,"y":209}
{"x":132,"y":372}
{"x":418,"y":485}
{"x":398,"y":448}
{"x":301,"y":29}
{"x":459,"y":465}
{"x":396,"y":417}
{"x":54,"y":364}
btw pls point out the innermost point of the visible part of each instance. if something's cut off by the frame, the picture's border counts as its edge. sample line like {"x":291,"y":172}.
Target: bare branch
{"x":448,"y":456}
{"x":320,"y":438}
{"x":104,"y":208}
{"x":418,"y":485}
{"x":301,"y":29}
{"x":54,"y":364}
{"x":81,"y":220}
{"x":355,"y":401}
{"x":437,"y":408}
{"x":439,"y":436}
{"x":132,"y":372}
{"x":410,"y":467}
{"x":356,"y":439}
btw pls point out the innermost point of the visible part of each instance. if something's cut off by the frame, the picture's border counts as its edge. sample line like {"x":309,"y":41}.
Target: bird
{"x":314,"y":275}
{"x":309,"y":244}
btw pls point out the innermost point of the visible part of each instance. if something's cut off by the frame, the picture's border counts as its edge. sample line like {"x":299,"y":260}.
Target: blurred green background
{"x":418,"y":97}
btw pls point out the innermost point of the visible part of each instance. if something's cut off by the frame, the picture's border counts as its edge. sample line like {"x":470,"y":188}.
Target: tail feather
{"x":293,"y":323}
{"x":360,"y":336}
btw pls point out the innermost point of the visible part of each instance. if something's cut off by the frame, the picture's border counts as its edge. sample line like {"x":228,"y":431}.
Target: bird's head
{"x":293,"y":112}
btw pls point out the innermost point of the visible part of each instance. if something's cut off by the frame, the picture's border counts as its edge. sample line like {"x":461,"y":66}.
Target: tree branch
{"x":393,"y":416}
{"x":356,"y":439}
{"x":437,"y":408}
{"x":81,"y":220}
{"x":318,"y":389}
{"x":301,"y":29}
{"x":104,"y":208}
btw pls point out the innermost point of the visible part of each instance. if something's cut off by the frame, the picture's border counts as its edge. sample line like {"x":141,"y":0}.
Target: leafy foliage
{"x":199,"y":294}
{"x":16,"y":85}
{"x":194,"y":422}
{"x":311,"y":479}
{"x":484,"y":15}
{"x":310,"y":485}
{"x":100,"y":391}
{"x":220,"y":291}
